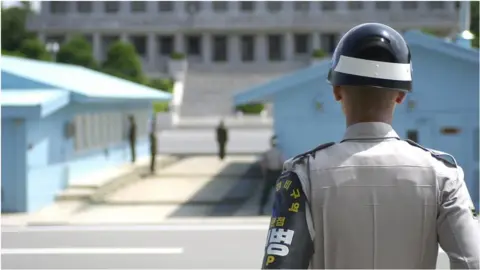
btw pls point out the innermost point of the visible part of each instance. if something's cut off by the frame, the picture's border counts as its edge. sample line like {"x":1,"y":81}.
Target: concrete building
{"x":230,"y":45}
{"x":440,"y":113}
{"x":62,"y":122}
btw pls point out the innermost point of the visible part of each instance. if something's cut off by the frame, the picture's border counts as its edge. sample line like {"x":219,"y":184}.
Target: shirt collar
{"x":370,"y":130}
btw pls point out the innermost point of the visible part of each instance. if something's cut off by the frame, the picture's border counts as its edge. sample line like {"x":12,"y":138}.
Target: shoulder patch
{"x":446,"y":158}
{"x":313,"y":151}
{"x":289,"y":164}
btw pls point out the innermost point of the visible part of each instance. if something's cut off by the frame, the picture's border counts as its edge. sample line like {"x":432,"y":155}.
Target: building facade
{"x":259,"y":34}
{"x":56,"y":130}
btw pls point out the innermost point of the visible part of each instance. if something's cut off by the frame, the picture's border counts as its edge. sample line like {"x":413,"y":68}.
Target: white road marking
{"x":54,"y":251}
{"x":72,"y":228}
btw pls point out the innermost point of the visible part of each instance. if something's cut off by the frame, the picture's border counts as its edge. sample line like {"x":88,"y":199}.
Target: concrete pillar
{"x":261,"y":46}
{"x":97,"y":46}
{"x":124,"y":37}
{"x":316,"y":43}
{"x":41,"y":36}
{"x":207,"y":48}
{"x":152,"y":49}
{"x":234,"y":48}
{"x":288,"y":46}
{"x":179,"y":45}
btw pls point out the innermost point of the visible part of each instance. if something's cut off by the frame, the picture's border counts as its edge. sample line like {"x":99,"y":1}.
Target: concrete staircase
{"x":210,"y":92}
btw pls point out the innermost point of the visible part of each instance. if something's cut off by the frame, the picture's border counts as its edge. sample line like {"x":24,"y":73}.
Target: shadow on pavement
{"x":236,"y":187}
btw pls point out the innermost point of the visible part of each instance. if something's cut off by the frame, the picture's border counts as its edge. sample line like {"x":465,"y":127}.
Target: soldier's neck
{"x":355,"y":119}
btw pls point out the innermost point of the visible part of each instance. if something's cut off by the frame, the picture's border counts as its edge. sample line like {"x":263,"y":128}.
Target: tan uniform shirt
{"x":379,"y":202}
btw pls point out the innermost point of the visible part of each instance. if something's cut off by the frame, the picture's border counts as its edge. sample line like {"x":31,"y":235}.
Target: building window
{"x":409,"y":4}
{"x":412,"y":135}
{"x":247,"y":6}
{"x":194,"y":45}
{"x":274,"y":6}
{"x":138,"y":6}
{"x":166,"y":45}
{"x":329,"y":42}
{"x":355,"y":5}
{"x":84,"y":6}
{"x":220,"y":48}
{"x":301,"y":5}
{"x":140,"y":44}
{"x":328,"y":5}
{"x":166,"y":6}
{"x":192,"y":7}
{"x":301,"y":43}
{"x":248,"y":48}
{"x":382,"y":5}
{"x":436,"y":5}
{"x":111,"y":6}
{"x":220,"y":6}
{"x":275,"y":47}
{"x":59,"y":7}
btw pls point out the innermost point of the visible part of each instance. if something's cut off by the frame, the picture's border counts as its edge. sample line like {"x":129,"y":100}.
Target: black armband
{"x":289,"y":243}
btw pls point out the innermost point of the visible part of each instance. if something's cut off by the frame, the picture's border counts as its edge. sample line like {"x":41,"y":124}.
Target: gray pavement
{"x":202,"y":141}
{"x":172,"y":247}
{"x":206,"y":246}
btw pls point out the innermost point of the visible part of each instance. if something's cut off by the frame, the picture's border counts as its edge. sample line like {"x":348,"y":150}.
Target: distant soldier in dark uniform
{"x":153,"y":142}
{"x":132,"y":137}
{"x":222,"y":138}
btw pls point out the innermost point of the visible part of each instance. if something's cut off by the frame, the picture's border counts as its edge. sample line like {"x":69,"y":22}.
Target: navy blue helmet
{"x":372,"y":54}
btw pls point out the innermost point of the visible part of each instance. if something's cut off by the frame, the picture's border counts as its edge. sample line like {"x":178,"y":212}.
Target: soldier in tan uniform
{"x":371,"y":200}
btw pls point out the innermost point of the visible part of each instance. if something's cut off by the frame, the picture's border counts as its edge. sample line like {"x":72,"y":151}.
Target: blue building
{"x":440,"y":113}
{"x":61,"y":122}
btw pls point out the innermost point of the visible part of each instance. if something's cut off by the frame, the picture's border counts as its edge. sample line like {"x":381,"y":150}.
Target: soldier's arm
{"x":289,"y":243}
{"x":458,"y":229}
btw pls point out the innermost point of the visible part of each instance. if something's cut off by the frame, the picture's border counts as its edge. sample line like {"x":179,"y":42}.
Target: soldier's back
{"x":374,"y":205}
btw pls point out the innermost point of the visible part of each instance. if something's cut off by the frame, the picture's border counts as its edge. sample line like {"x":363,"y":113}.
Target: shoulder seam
{"x":439,"y":156}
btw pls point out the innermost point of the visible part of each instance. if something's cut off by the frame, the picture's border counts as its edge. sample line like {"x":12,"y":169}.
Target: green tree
{"x":14,"y":31}
{"x":77,"y":51}
{"x":122,"y":61}
{"x":164,"y":85}
{"x":33,"y":48}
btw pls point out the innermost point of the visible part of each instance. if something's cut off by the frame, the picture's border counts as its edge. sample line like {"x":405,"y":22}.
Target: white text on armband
{"x":278,"y":241}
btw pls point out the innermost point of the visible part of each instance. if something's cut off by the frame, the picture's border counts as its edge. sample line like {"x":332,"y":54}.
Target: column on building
{"x":179,"y":45}
{"x":234,"y":48}
{"x":124,"y":37}
{"x":124,"y":7}
{"x":316,"y":43}
{"x":342,"y":6}
{"x":152,"y":49}
{"x":288,"y":49}
{"x":261,"y":47}
{"x":97,"y":46}
{"x":42,"y":37}
{"x":233,"y":8}
{"x":207,"y":48}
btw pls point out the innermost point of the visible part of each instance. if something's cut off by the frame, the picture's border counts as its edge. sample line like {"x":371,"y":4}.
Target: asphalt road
{"x":163,"y":247}
{"x":134,"y":247}
{"x":192,"y":141}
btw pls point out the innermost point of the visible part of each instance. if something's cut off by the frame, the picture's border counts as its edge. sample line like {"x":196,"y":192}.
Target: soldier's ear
{"x":337,"y":93}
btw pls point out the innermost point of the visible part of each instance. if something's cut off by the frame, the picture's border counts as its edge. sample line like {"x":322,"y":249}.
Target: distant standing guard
{"x":132,"y":137}
{"x":153,"y":142}
{"x":222,"y":139}
{"x":272,"y":164}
